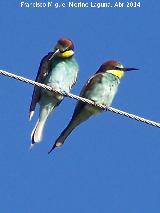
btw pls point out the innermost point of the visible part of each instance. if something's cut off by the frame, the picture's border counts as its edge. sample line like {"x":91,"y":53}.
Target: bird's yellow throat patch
{"x":66,"y":54}
{"x":117,"y":73}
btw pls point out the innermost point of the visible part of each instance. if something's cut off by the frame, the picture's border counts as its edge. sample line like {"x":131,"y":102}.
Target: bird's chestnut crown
{"x":64,"y":44}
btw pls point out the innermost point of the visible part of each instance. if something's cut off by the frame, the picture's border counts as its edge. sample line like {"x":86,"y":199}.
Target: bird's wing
{"x":88,"y":86}
{"x":90,"y":83}
{"x":75,"y":71}
{"x":42,"y":72}
{"x":75,"y":77}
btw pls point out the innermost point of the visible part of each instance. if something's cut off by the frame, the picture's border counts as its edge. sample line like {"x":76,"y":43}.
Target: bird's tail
{"x":37,"y":132}
{"x":77,"y":118}
{"x":66,"y":132}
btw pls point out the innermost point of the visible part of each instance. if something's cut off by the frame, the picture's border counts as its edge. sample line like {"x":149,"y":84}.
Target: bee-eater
{"x":59,"y":70}
{"x":100,"y":88}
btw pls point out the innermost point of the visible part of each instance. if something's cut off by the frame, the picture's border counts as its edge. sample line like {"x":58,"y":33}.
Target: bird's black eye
{"x":114,"y":68}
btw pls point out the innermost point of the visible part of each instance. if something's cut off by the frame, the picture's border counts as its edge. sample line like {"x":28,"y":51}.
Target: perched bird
{"x":100,"y":88}
{"x":59,"y":70}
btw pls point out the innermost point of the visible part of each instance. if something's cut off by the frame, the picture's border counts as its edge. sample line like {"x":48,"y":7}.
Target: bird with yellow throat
{"x":59,"y":70}
{"x":101,"y":88}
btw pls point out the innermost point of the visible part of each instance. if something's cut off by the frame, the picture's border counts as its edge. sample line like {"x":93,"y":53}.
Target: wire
{"x":111,"y":109}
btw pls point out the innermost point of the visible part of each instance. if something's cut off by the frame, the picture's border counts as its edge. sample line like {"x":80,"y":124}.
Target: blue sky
{"x":109,"y":163}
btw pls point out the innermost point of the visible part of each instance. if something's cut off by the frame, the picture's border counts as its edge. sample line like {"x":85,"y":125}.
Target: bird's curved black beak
{"x":126,"y":69}
{"x":54,"y":53}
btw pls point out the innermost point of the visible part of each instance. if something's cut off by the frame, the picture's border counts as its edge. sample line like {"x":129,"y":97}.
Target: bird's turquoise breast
{"x":104,"y":89}
{"x":63,"y":73}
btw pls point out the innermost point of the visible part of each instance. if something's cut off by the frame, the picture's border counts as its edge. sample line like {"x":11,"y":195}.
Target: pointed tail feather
{"x":31,"y":113}
{"x":31,"y":147}
{"x":61,"y":139}
{"x":37,"y":132}
{"x":75,"y":121}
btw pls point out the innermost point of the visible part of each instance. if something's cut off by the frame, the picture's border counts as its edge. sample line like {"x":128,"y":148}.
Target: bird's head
{"x":115,"y":68}
{"x":63,"y":49}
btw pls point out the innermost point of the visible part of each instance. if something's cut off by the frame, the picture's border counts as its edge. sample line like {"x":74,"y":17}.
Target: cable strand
{"x":70,"y":95}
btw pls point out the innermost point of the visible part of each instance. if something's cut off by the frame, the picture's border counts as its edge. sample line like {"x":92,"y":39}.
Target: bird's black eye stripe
{"x":118,"y":68}
{"x":115,"y":68}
